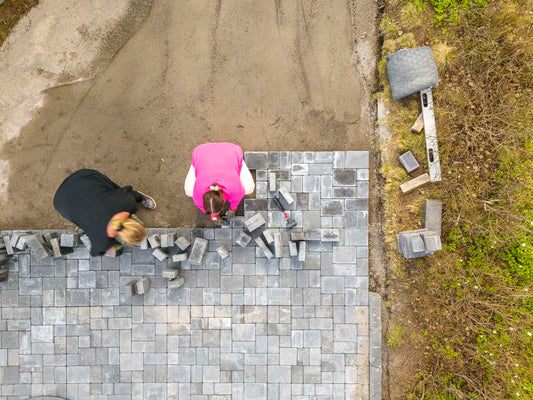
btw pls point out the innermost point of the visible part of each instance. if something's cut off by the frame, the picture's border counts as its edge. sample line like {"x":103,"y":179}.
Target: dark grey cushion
{"x":410,"y":71}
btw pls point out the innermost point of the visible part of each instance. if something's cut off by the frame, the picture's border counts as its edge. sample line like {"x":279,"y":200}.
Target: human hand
{"x":230,"y":214}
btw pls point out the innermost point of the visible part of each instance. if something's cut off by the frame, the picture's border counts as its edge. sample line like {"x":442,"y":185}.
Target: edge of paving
{"x":375,"y":345}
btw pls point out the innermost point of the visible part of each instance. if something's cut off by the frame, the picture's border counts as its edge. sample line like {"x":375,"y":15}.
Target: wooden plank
{"x":418,"y":125}
{"x":415,"y":183}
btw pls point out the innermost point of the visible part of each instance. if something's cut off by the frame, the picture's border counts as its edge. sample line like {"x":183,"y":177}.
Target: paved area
{"x":240,"y":328}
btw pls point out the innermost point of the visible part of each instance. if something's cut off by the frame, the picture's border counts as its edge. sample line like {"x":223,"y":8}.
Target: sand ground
{"x":270,"y":75}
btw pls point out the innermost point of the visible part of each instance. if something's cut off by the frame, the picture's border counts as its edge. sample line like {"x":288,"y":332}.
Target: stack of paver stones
{"x":241,"y":327}
{"x":426,"y":241}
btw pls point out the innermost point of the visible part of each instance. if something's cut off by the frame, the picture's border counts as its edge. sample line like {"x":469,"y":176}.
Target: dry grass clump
{"x":10,"y":13}
{"x":472,"y":301}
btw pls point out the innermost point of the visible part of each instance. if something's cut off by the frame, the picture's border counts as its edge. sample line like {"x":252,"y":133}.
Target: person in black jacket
{"x":104,"y":210}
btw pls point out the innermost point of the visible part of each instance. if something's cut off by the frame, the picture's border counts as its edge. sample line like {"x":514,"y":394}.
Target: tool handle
{"x":276,"y":200}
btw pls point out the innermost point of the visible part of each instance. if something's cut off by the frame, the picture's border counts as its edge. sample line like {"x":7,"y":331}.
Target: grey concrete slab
{"x":241,"y":327}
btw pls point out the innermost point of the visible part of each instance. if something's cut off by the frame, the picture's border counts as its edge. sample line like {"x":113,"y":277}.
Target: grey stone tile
{"x":356,"y":159}
{"x":255,"y":391}
{"x":362,"y":190}
{"x":243,"y":332}
{"x":344,"y":177}
{"x":300,"y":169}
{"x":86,"y":279}
{"x":332,"y":207}
{"x":256,"y":159}
{"x":344,"y":254}
{"x":251,"y":320}
{"x":243,"y":255}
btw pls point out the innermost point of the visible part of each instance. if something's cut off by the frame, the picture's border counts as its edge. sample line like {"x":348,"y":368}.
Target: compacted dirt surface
{"x":268,"y":75}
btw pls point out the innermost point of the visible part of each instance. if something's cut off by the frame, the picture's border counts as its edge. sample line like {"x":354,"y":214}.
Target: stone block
{"x":180,"y":257}
{"x":432,"y":241}
{"x":68,"y":240}
{"x":344,"y":177}
{"x":272,"y":182}
{"x":14,"y":240}
{"x":320,"y":169}
{"x":375,"y":329}
{"x":300,"y":169}
{"x":329,"y":235}
{"x":144,"y":244}
{"x":170,"y":273}
{"x":255,"y":204}
{"x":411,"y":244}
{"x":131,"y":288}
{"x":37,"y":249}
{"x":363,"y":190}
{"x":311,"y":184}
{"x":7,"y":244}
{"x":418,"y":125}
{"x":243,"y":255}
{"x":264,"y":248}
{"x":261,"y":190}
{"x":155,"y":241}
{"x":344,"y":254}
{"x":261,"y":175}
{"x":167,"y":240}
{"x":302,"y":248}
{"x":278,"y":245}
{"x":256,"y":159}
{"x":176,"y":283}
{"x":286,"y":196}
{"x":312,"y":234}
{"x":254,"y":222}
{"x":159,"y":254}
{"x":297,"y":235}
{"x":293,"y":249}
{"x":243,"y":239}
{"x":324,"y":157}
{"x":21,"y":241}
{"x":332,"y":207}
{"x":142,"y":286}
{"x":344,"y":192}
{"x":415,"y":183}
{"x":222,"y":252}
{"x":363,"y":174}
{"x":56,"y":248}
{"x":356,"y":159}
{"x":198,"y":250}
{"x":409,"y":162}
{"x":433,"y":215}
{"x":183,"y":243}
{"x":416,"y":244}
{"x":86,"y":241}
{"x":268,"y":236}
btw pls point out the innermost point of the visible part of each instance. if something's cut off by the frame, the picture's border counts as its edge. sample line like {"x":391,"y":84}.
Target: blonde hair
{"x":129,"y":230}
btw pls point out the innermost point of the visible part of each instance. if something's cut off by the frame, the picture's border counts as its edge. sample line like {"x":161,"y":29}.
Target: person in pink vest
{"x":218,"y":174}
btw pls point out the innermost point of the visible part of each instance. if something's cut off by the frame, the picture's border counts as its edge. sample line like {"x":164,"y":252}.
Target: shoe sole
{"x":150,"y":198}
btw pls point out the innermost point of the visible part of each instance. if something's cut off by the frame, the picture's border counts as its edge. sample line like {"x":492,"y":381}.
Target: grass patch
{"x":473,"y":300}
{"x":11,"y":11}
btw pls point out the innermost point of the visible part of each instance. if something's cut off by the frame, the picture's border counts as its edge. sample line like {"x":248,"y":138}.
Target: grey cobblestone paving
{"x":240,"y":328}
